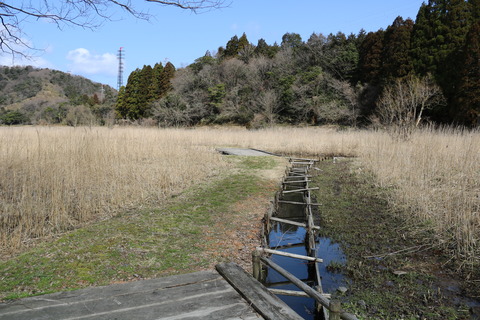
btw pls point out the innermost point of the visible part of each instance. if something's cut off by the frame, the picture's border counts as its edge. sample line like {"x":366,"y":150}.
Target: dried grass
{"x":52,"y":179}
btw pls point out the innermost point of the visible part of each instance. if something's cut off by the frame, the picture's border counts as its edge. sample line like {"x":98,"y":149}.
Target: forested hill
{"x":411,"y":72}
{"x":44,"y":96}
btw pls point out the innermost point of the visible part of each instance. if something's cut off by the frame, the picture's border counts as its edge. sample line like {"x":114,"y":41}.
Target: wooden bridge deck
{"x":200,"y":295}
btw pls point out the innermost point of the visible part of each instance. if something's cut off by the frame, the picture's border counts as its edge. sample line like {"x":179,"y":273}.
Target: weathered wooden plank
{"x":295,"y":182}
{"x":266,"y":303}
{"x":300,"y":190}
{"x":293,"y":293}
{"x":290,"y":255}
{"x":294,"y":223}
{"x":300,"y":203}
{"x":206,"y":294}
{"x":303,"y":159}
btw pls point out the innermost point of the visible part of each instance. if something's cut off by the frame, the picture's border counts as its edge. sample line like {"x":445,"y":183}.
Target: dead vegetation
{"x":53,"y":179}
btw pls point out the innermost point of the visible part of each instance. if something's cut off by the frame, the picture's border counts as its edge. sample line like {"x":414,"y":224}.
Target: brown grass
{"x":52,"y":179}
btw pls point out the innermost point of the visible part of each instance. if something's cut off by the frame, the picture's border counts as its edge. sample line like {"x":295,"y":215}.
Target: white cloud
{"x":24,"y":56}
{"x":85,"y":62}
{"x":7,"y":59}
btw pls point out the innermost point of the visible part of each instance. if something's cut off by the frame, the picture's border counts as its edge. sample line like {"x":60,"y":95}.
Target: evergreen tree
{"x":370,"y":57}
{"x":439,"y":34}
{"x":396,"y":62}
{"x":155,"y":90}
{"x":243,"y":42}
{"x":421,"y":50}
{"x":468,"y":97}
{"x":131,"y":94}
{"x":166,"y":77}
{"x":232,"y":48}
{"x":144,"y":93}
{"x":342,"y":57}
{"x":457,"y":22}
{"x":121,"y":106}
{"x":474,"y":8}
{"x":201,"y":62}
{"x":262,"y":48}
{"x":292,"y":40}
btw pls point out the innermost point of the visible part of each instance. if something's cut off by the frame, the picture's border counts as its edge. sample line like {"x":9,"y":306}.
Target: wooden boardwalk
{"x":200,"y":295}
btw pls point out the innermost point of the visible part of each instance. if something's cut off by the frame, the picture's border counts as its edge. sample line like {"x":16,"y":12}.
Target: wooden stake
{"x":256,"y":265}
{"x":335,"y":309}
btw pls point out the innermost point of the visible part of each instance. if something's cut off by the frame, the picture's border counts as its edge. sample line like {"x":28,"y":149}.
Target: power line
{"x":120,"y":56}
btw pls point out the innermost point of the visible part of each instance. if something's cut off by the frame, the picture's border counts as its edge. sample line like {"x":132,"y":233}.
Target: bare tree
{"x":402,"y":104}
{"x":80,"y":13}
{"x":269,"y":106}
{"x":350,"y":94}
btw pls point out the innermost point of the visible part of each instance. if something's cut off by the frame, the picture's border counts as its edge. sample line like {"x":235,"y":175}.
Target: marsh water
{"x":291,"y":239}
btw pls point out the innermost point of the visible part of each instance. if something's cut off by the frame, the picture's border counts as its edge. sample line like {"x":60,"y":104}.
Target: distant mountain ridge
{"x":36,"y":96}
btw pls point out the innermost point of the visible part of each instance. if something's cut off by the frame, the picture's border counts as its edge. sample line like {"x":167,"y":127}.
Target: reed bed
{"x":436,"y":178}
{"x":52,"y":179}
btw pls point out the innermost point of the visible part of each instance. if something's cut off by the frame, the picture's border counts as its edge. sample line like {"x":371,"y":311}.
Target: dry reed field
{"x":52,"y":179}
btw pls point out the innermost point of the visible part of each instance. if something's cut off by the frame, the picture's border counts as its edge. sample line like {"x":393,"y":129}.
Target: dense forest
{"x":412,"y":72}
{"x":427,"y":70}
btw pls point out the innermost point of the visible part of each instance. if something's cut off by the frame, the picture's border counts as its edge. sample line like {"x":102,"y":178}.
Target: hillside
{"x":44,"y":96}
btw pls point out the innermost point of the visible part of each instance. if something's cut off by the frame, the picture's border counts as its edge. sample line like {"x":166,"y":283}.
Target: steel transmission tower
{"x":120,"y":56}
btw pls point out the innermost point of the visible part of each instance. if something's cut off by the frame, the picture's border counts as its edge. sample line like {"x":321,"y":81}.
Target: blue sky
{"x":180,"y":36}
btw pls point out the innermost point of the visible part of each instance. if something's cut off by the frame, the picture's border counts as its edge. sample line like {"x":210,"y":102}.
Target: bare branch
{"x":193,"y":5}
{"x":79,"y":13}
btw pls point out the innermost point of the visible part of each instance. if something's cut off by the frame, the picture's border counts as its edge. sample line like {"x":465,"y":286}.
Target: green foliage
{"x":396,"y":62}
{"x":144,"y":86}
{"x":13,"y":117}
{"x":343,"y":56}
{"x":370,"y":57}
{"x":55,"y":114}
{"x":121,"y":107}
{"x":232,"y":48}
{"x":216,"y":95}
{"x":292,"y":40}
{"x":467,"y":99}
{"x":200,"y":63}
{"x":28,"y":88}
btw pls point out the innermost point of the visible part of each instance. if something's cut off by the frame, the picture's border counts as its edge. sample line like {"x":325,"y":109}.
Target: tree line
{"x":410,"y":72}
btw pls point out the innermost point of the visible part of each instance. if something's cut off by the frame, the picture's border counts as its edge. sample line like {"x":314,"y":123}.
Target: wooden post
{"x":256,"y":265}
{"x":335,"y":310}
{"x":319,"y":306}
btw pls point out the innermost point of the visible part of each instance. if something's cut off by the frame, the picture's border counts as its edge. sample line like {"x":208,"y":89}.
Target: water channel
{"x":292,"y":239}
